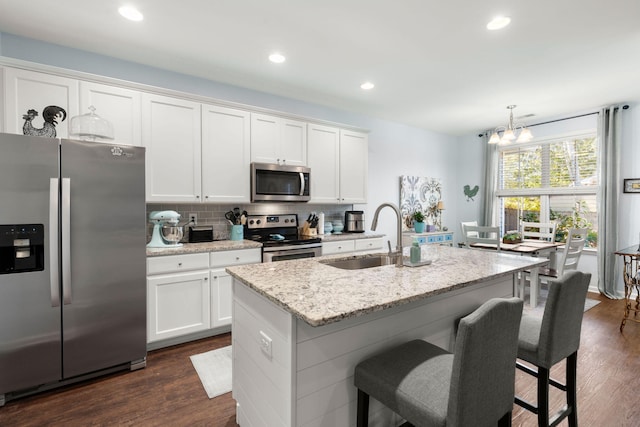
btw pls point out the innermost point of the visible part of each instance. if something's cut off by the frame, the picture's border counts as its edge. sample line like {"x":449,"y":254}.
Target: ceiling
{"x":434,"y":63}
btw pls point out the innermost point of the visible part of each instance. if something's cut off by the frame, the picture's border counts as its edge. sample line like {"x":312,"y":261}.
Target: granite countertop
{"x":227,"y":245}
{"x":329,"y":237}
{"x":320,"y":294}
{"x":194,"y":248}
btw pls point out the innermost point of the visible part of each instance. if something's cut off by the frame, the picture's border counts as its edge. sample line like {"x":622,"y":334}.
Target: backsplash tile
{"x":213,"y":214}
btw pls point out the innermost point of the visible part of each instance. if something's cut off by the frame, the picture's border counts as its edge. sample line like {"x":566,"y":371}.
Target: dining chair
{"x":543,"y":342}
{"x":429,"y":386}
{"x":538,"y":230}
{"x":482,"y":235}
{"x":463,"y":224}
{"x":568,"y":261}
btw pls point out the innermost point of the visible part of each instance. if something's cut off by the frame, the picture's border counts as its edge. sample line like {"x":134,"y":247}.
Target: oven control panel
{"x":272,"y":221}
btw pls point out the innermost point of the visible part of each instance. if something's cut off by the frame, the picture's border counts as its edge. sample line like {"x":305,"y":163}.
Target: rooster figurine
{"x":48,"y":130}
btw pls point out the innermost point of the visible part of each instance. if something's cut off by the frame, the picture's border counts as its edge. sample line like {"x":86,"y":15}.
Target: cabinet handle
{"x":197,"y":197}
{"x":215,"y":277}
{"x":237,"y":258}
{"x":206,"y":278}
{"x":206,"y":197}
{"x":179,"y":264}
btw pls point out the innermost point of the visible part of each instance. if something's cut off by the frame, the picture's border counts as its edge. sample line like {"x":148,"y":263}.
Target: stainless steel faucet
{"x":374,"y":225}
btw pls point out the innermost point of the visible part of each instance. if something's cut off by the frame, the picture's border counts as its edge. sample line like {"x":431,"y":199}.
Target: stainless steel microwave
{"x":279,"y":183}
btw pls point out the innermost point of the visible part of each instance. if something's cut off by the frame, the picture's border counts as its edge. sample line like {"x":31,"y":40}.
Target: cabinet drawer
{"x":369,"y":244}
{"x":343,"y":246}
{"x":236,"y":257}
{"x":177,"y":263}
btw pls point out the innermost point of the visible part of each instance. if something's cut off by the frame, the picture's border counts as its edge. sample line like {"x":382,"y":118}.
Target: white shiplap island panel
{"x":300,"y":327}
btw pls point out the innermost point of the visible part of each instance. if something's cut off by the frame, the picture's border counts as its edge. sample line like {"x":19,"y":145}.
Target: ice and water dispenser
{"x":21,"y":248}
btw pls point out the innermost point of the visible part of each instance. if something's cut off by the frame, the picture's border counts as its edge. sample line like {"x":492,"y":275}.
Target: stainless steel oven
{"x":280,"y":238}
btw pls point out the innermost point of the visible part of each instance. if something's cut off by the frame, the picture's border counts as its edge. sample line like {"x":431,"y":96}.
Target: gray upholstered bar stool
{"x":429,"y":386}
{"x":546,"y":341}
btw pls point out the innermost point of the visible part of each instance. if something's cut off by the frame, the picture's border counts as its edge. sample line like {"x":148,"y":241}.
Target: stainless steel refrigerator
{"x":72,"y":262}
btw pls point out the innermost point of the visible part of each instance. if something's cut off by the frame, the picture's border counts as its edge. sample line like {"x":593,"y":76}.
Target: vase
{"x":419,"y":227}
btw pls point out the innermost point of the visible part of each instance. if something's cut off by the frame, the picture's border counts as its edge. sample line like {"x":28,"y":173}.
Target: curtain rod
{"x":624,"y":107}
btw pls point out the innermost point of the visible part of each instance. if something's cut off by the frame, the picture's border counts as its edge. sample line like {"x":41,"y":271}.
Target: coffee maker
{"x":354,"y":221}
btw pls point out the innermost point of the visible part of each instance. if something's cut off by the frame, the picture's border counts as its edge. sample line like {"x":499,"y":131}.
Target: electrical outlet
{"x":265,"y":344}
{"x":193,"y":217}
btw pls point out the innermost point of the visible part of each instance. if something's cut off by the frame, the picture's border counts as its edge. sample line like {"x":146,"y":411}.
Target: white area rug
{"x":214,"y":370}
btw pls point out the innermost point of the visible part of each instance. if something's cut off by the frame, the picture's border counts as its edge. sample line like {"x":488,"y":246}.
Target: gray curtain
{"x":489,"y":201}
{"x":609,"y":268}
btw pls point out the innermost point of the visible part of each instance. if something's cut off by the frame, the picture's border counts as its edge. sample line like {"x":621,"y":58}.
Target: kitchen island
{"x":301,"y":326}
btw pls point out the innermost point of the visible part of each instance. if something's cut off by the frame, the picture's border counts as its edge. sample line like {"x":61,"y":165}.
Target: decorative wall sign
{"x":470,"y":192}
{"x":419,"y":193}
{"x":632,"y":185}
{"x":49,"y":114}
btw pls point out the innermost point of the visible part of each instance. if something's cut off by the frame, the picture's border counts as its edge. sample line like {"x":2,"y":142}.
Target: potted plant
{"x":418,"y":221}
{"x":512,"y":237}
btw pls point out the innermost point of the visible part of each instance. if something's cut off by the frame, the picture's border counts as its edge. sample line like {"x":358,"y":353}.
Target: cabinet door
{"x":354,"y":170}
{"x":277,"y":140}
{"x":120,"y":106}
{"x":323,"y":145}
{"x":293,"y":143}
{"x":171,"y":135}
{"x":265,"y":138}
{"x":177,"y":304}
{"x":29,"y":90}
{"x":221,"y":298}
{"x":225,"y":154}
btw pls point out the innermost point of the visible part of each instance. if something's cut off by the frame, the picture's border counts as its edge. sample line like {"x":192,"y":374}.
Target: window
{"x":551,"y":180}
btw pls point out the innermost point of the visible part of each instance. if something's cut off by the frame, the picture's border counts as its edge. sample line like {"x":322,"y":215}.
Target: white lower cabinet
{"x":221,"y":298}
{"x":359,"y":246}
{"x":190,"y":296}
{"x":178,"y":304}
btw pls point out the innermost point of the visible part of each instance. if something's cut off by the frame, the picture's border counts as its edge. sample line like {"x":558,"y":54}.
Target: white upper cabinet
{"x":171,"y":134}
{"x":278,"y":140}
{"x":339,"y":165}
{"x":119,"y":106}
{"x":225,"y":154}
{"x":29,"y":90}
{"x":354,"y":166}
{"x":324,"y":151}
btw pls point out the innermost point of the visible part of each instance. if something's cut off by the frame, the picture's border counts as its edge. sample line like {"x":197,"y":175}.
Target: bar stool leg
{"x":572,"y":400}
{"x":543,"y":397}
{"x":363,"y":409}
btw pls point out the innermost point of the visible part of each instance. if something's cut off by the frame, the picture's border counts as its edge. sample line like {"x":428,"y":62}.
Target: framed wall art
{"x":420,"y":194}
{"x":632,"y":185}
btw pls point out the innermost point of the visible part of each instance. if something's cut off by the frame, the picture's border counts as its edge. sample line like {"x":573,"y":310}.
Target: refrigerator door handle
{"x":54,"y":256}
{"x":66,"y":240}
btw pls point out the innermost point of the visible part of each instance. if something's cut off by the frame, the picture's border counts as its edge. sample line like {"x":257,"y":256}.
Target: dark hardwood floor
{"x":168,"y":391}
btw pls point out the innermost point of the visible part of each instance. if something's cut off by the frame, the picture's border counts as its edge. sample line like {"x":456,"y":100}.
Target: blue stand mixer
{"x":166,"y":231}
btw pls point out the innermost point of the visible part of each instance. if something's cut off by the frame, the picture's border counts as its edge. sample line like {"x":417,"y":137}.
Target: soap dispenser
{"x":415,"y":252}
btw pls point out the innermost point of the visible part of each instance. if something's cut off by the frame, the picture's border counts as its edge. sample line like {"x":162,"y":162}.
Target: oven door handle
{"x":301,"y":184}
{"x":268,"y":256}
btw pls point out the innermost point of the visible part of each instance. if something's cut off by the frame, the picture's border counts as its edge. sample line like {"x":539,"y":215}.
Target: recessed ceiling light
{"x":498,"y":22}
{"x":367,"y":86}
{"x":131,"y":13}
{"x":277,"y":58}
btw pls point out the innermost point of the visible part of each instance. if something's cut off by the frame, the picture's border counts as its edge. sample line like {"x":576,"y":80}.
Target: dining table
{"x":534,"y":248}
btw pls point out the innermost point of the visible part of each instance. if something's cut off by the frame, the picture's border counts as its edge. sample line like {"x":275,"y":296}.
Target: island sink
{"x":363,"y":262}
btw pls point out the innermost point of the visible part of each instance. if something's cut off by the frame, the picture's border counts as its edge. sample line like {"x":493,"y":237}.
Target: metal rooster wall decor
{"x":470,"y":192}
{"x":50,"y":115}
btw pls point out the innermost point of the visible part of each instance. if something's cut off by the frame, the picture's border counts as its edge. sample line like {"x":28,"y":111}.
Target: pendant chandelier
{"x":509,"y":132}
